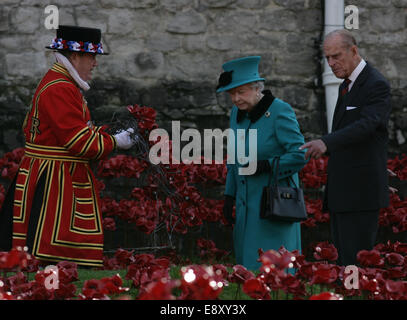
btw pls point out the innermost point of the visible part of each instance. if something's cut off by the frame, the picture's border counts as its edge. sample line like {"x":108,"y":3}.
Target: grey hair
{"x":258,"y":85}
{"x":347,"y":38}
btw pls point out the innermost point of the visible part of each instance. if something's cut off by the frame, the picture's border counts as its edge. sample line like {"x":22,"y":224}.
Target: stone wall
{"x":168,"y":54}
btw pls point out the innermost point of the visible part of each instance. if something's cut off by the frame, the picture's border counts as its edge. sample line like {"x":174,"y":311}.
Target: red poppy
{"x":240,"y":274}
{"x":325,"y":251}
{"x":256,"y":289}
{"x":291,"y":284}
{"x":306,"y":270}
{"x":124,"y":257}
{"x":208,"y":250}
{"x":6,"y":296}
{"x":94,"y":290}
{"x":398,"y":288}
{"x":109,"y":224}
{"x":326,"y":296}
{"x":101,"y":289}
{"x":146,"y":269}
{"x":199,"y":282}
{"x":280,"y":260}
{"x":367,"y":284}
{"x":18,"y":258}
{"x":394,"y":259}
{"x":159,"y":290}
{"x":325,"y":273}
{"x":145,"y":116}
{"x":65,"y":291}
{"x":67,"y":272}
{"x":370,"y":258}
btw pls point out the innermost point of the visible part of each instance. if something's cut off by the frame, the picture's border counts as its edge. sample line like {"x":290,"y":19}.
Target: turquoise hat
{"x":238,"y":72}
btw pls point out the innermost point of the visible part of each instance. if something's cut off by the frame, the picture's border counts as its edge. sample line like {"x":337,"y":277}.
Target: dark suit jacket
{"x":357,"y":146}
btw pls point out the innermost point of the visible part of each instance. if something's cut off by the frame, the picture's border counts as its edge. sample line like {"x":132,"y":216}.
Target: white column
{"x":334,"y":19}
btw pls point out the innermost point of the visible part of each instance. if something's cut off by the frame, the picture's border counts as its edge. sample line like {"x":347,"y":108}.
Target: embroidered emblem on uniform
{"x":35,"y":123}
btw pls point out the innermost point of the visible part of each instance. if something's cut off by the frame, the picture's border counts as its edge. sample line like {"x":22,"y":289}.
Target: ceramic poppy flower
{"x":394,"y":259}
{"x":256,"y":289}
{"x":325,"y":273}
{"x":291,"y":284}
{"x":109,"y":224}
{"x":6,"y":296}
{"x":280,"y":260}
{"x":101,"y":289}
{"x":145,"y":269}
{"x":325,"y":251}
{"x":370,"y":258}
{"x":200,"y":282}
{"x":208,"y":250}
{"x":326,"y":296}
{"x":396,"y":288}
{"x":366,"y":284}
{"x":240,"y":274}
{"x":145,"y":116}
{"x":67,"y":272}
{"x":159,"y":290}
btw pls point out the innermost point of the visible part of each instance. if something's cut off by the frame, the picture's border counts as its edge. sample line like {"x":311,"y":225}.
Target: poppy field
{"x":169,"y":198}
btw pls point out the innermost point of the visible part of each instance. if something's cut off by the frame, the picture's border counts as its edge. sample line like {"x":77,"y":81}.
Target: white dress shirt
{"x":355,"y":73}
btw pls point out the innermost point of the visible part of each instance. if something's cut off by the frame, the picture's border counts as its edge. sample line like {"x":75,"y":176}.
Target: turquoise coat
{"x":278,"y":134}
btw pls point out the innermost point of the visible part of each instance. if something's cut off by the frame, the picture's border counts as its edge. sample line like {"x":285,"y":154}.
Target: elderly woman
{"x":278,"y":134}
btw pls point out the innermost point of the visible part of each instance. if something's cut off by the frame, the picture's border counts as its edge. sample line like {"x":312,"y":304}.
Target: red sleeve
{"x":64,"y":109}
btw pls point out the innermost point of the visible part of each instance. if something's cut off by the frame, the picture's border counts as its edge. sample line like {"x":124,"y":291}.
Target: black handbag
{"x":282,"y":203}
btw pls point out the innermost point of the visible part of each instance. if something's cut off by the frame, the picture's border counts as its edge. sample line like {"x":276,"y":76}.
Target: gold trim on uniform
{"x":22,"y":214}
{"x":40,"y":225}
{"x":55,"y":232}
{"x":57,"y":158}
{"x":39,"y":147}
{"x":21,"y":236}
{"x":87,"y":262}
{"x":57,"y":67}
{"x":76,"y":137}
{"x":35,"y":115}
{"x":81,"y":185}
{"x":88,"y":144}
{"x":101,"y":147}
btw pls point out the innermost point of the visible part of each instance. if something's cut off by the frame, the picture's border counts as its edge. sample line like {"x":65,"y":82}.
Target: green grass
{"x":232,"y":291}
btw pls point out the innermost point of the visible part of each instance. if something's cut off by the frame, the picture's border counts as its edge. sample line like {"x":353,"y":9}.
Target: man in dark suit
{"x":357,"y":186}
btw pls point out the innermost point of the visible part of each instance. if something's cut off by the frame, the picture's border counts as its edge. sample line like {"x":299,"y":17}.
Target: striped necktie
{"x":345,"y":88}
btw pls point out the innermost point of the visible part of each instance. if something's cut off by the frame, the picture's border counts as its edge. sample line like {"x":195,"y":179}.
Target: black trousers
{"x":352,"y":232}
{"x":6,"y":219}
{"x":6,"y":216}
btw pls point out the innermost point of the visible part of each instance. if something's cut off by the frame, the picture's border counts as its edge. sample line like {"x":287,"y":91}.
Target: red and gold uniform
{"x":56,"y":211}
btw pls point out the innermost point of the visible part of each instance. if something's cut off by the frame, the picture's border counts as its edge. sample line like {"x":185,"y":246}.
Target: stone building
{"x":168,"y":54}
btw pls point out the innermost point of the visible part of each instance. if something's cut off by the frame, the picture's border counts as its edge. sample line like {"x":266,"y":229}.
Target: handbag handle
{"x":276,"y":164}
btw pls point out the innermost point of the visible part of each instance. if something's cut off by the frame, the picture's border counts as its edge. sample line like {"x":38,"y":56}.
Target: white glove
{"x":123,"y":139}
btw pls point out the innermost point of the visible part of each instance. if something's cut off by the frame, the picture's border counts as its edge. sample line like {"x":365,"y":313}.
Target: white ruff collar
{"x":72,"y":71}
